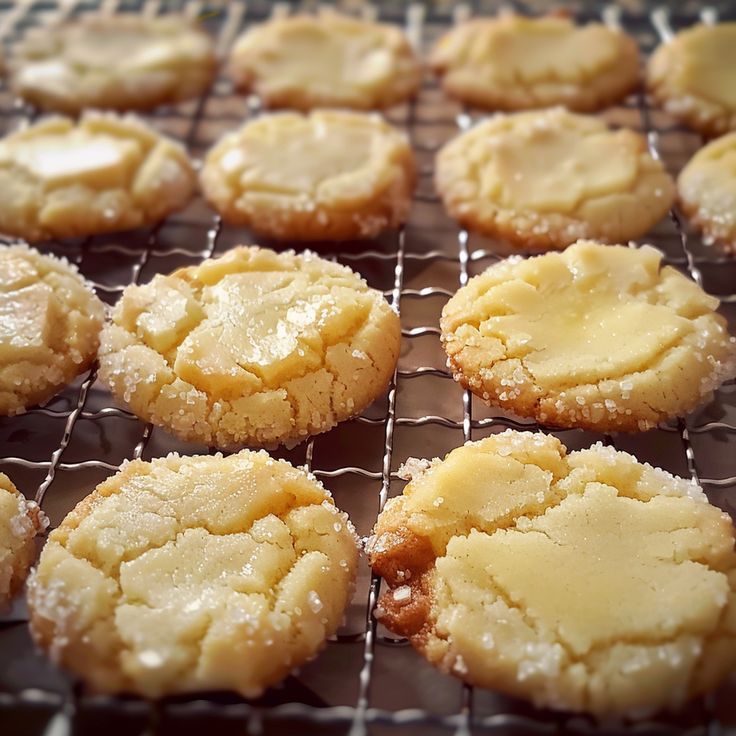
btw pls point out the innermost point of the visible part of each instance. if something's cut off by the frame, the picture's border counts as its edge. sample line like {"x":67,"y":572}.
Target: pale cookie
{"x":50,"y":322}
{"x":105,"y":173}
{"x":194,"y":573}
{"x":517,"y":63}
{"x":706,"y":189}
{"x":693,"y":77}
{"x":329,"y":60}
{"x":118,"y":62}
{"x":583,"y":582}
{"x":323,"y":176}
{"x":543,"y":180}
{"x":253,"y":348}
{"x":599,"y":337}
{"x":20,"y":521}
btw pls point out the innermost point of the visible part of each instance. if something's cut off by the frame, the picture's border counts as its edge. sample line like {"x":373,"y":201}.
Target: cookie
{"x":118,"y":62}
{"x":599,"y":337}
{"x":507,"y":567}
{"x":329,"y":60}
{"x":102,"y":174}
{"x":324,"y":176}
{"x":253,"y":348}
{"x":517,"y":63}
{"x":706,"y":190}
{"x":194,"y":573}
{"x":693,"y":77}
{"x":50,"y":321}
{"x":542,"y":180}
{"x":20,"y":521}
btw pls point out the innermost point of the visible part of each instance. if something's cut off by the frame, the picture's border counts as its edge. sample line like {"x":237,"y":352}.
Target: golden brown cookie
{"x":118,"y":62}
{"x":584,"y":581}
{"x":517,"y":63}
{"x":20,"y":521}
{"x":543,"y":180}
{"x":328,"y":60}
{"x":101,"y":174}
{"x":50,"y":322}
{"x":328,"y":175}
{"x":599,"y":337}
{"x":693,"y":77}
{"x":706,"y":190}
{"x":194,"y":573}
{"x":254,"y":348}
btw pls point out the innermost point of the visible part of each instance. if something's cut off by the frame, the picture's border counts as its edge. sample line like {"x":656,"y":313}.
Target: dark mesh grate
{"x":366,"y":681}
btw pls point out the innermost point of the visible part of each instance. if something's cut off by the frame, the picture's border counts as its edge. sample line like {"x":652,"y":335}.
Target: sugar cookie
{"x":518,"y":63}
{"x":545,"y":179}
{"x":20,"y":521}
{"x":194,"y":573}
{"x":583,"y":581}
{"x":253,"y":348}
{"x":118,"y":62}
{"x":599,"y":337}
{"x":693,"y":77}
{"x":329,"y":60}
{"x":324,"y":176}
{"x":63,"y":179}
{"x":706,"y":189}
{"x":50,"y":321}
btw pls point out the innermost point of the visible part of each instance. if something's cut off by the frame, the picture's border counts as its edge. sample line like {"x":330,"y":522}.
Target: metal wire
{"x":361,"y":717}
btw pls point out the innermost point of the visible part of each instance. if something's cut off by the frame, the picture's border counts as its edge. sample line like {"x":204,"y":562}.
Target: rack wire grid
{"x":366,"y":681}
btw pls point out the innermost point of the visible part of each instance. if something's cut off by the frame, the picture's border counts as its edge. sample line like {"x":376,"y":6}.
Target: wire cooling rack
{"x":366,"y":681}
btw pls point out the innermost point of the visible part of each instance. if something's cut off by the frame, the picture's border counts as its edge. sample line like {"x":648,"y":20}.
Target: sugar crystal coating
{"x":599,"y":337}
{"x":513,"y":62}
{"x":329,"y":60}
{"x":119,"y":62}
{"x":194,"y":573}
{"x":329,"y":175}
{"x":101,"y":174}
{"x":584,"y":581}
{"x":252,"y":348}
{"x":544,"y":179}
{"x":707,"y":191}
{"x":693,"y":77}
{"x":20,"y":521}
{"x":50,"y":321}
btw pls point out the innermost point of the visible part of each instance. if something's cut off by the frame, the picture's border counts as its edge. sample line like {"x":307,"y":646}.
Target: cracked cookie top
{"x":194,"y":573}
{"x":542,"y":180}
{"x":518,"y":63}
{"x":50,"y":322}
{"x":20,"y":521}
{"x":706,"y":188}
{"x":693,"y":77}
{"x":599,"y":337}
{"x":583,"y":581}
{"x":252,"y":348}
{"x":329,"y":175}
{"x":103,"y":173}
{"x":328,"y":60}
{"x":118,"y":62}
